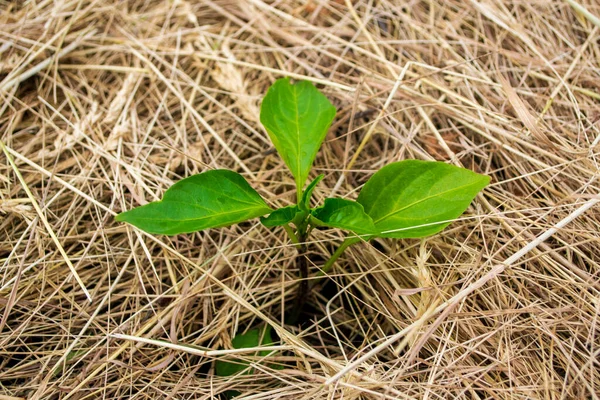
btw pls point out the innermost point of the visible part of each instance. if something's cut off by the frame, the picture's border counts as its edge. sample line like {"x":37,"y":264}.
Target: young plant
{"x":405,"y":199}
{"x":253,"y":338}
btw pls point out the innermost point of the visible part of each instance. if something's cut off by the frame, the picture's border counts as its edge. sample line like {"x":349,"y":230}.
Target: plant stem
{"x":302,"y":294}
{"x":340,"y":250}
{"x":302,"y":264}
{"x":291,"y":234}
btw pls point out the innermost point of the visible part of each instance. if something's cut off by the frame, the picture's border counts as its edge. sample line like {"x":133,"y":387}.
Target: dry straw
{"x":106,"y":103}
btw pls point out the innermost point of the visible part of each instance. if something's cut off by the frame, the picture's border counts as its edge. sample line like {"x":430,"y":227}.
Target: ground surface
{"x":106,"y":103}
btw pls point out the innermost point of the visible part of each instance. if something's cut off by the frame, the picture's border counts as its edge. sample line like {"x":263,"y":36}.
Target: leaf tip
{"x":484,"y":180}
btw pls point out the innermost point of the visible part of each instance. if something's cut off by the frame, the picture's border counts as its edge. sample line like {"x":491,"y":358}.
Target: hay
{"x":106,"y":103}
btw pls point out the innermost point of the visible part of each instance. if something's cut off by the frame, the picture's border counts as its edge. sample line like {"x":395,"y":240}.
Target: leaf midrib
{"x":249,"y":198}
{"x":298,"y":151}
{"x":226,"y":213}
{"x":422,"y":200}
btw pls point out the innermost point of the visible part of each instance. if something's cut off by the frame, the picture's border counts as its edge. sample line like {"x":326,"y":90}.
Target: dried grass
{"x":106,"y":103}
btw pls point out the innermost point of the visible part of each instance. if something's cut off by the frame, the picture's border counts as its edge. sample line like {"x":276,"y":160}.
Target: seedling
{"x":252,"y":338}
{"x":405,"y":199}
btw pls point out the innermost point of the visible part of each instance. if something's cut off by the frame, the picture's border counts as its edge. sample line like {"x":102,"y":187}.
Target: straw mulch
{"x":107,"y":103}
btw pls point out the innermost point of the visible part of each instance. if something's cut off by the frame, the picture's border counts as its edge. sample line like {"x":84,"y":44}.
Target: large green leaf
{"x":343,"y":214}
{"x":252,"y":338}
{"x":296,"y":118}
{"x":211,"y":199}
{"x":413,"y":198}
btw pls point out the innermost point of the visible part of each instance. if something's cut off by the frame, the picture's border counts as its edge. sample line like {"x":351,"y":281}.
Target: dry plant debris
{"x":106,"y":103}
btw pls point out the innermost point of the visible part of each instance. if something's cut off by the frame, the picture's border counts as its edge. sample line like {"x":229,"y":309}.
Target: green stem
{"x":303,"y":288}
{"x":291,"y":234}
{"x":340,"y":250}
{"x":298,"y":193}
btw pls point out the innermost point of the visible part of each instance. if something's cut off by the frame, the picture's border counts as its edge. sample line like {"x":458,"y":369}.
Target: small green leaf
{"x":280,"y":217}
{"x":211,"y":199}
{"x":296,"y":118}
{"x":343,"y":214}
{"x":306,"y":196}
{"x":252,"y":338}
{"x":414,"y":198}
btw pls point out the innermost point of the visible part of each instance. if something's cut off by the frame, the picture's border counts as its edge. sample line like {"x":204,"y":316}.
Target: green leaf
{"x":252,"y":338}
{"x":296,"y":118}
{"x":280,"y":217}
{"x":414,"y":199}
{"x":343,"y":214}
{"x":211,"y":199}
{"x":306,"y":196}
